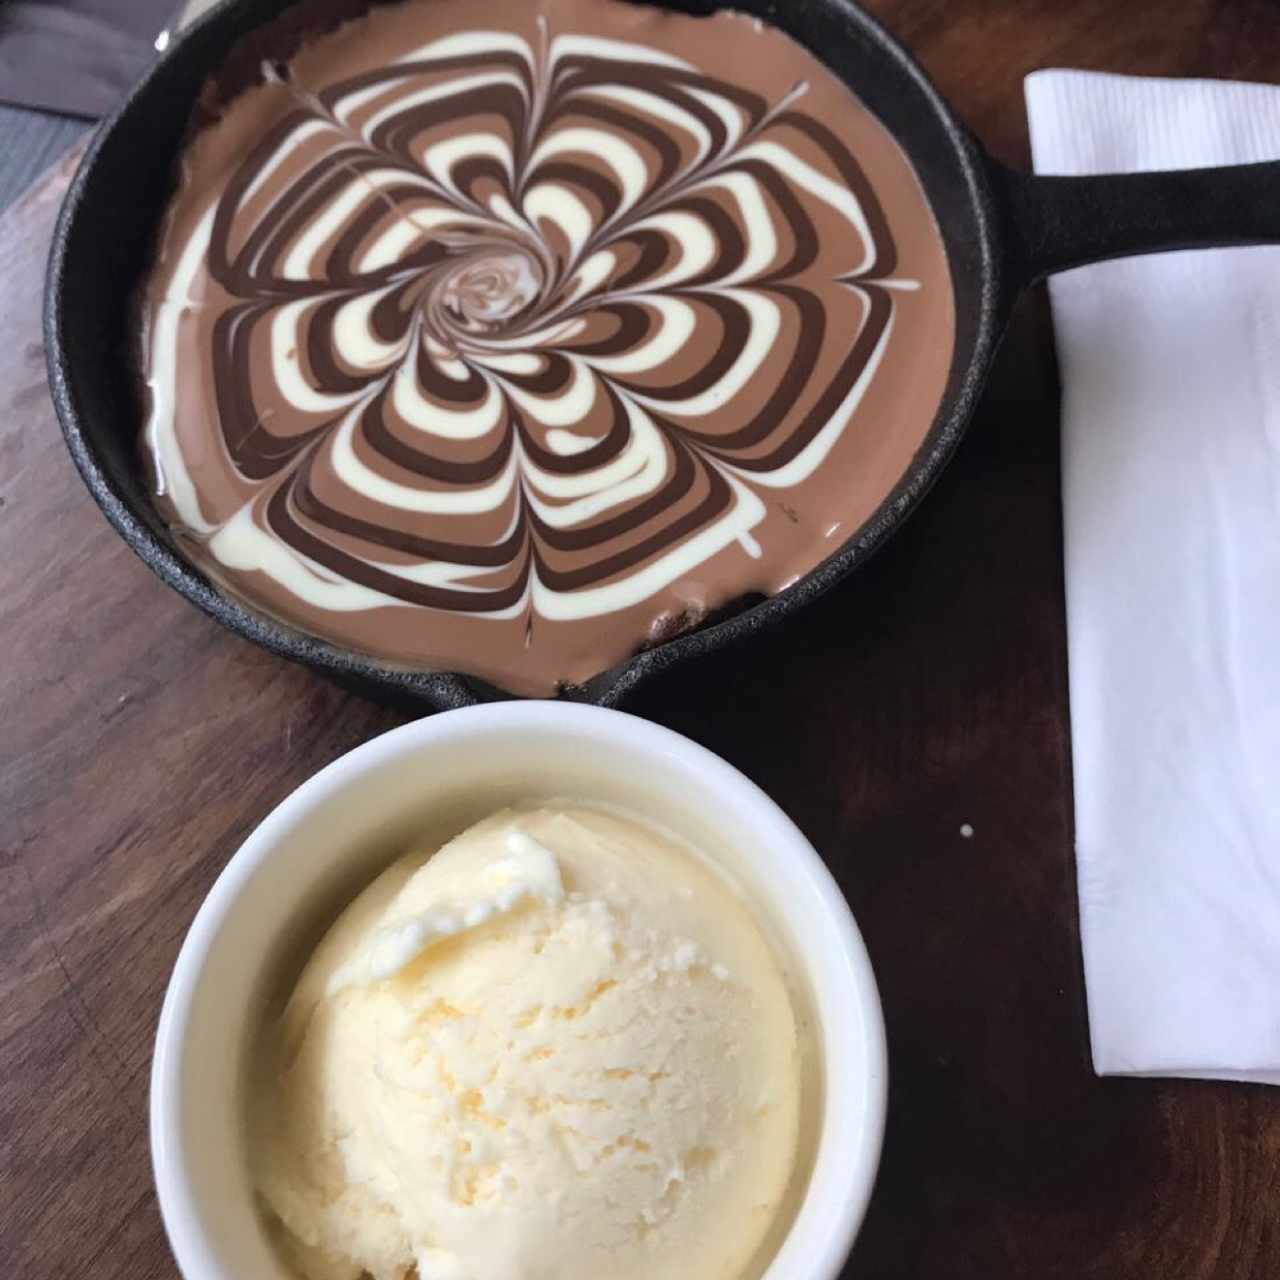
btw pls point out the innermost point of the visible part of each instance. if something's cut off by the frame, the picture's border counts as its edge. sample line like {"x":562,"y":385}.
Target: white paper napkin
{"x":1171,"y":495}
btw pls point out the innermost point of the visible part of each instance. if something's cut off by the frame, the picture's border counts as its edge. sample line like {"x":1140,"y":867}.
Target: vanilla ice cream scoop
{"x":560,"y":1048}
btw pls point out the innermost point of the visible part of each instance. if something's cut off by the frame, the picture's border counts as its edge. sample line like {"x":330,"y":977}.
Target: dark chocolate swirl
{"x":523,"y":325}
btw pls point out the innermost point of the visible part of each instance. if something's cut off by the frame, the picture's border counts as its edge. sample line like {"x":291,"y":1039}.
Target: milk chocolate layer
{"x":512,"y":337}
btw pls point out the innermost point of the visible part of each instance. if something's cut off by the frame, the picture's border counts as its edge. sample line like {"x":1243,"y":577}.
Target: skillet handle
{"x":1052,"y":223}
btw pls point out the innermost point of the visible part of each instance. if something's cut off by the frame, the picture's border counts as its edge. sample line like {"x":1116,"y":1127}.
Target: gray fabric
{"x":77,"y":57}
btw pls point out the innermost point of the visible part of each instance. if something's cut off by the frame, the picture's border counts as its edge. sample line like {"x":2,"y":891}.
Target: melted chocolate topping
{"x":511,"y":337}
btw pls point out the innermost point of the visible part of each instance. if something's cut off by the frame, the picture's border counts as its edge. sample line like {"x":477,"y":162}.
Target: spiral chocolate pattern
{"x":524,"y":325}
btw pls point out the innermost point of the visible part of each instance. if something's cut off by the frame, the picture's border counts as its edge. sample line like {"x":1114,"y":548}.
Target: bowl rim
{"x":842,"y":1198}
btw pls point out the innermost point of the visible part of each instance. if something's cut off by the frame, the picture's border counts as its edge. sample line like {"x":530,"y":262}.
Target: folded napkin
{"x":1171,"y":503}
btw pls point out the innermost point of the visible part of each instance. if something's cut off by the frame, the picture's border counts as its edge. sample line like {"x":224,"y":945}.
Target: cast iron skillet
{"x":1003,"y":231}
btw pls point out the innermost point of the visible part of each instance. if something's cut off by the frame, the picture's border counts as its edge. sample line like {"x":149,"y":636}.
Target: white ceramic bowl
{"x":430,"y":779}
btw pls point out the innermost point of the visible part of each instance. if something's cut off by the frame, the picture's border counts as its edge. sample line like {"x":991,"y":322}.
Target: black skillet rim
{"x":444,"y":690}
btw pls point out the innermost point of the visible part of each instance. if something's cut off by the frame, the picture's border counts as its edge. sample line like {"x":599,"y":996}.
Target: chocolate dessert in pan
{"x":529,"y":348}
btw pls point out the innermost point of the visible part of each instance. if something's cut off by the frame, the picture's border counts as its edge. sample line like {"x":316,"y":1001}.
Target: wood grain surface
{"x":139,"y":744}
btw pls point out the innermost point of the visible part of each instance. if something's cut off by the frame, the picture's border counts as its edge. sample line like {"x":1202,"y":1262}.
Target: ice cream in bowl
{"x":520,"y":992}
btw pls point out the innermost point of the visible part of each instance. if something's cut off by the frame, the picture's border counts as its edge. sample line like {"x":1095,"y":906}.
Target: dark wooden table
{"x":139,"y":744}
